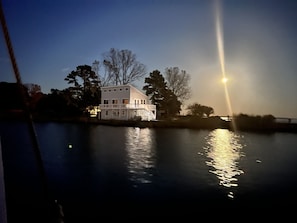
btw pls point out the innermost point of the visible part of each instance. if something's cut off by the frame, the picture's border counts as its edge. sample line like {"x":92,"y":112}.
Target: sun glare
{"x":224,"y":80}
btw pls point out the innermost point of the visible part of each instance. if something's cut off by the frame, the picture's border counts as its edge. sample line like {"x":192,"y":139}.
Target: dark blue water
{"x":97,"y":171}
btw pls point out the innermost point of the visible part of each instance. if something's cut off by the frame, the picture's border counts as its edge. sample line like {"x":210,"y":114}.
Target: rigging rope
{"x":32,"y":130}
{"x":22,"y":93}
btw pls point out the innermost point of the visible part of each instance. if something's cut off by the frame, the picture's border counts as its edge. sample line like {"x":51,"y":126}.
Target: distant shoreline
{"x":210,"y":123}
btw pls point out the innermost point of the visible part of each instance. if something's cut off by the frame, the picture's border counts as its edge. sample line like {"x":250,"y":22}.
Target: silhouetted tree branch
{"x":121,"y":67}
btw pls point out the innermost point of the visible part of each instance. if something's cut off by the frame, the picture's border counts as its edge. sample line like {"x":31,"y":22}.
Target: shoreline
{"x":210,"y":123}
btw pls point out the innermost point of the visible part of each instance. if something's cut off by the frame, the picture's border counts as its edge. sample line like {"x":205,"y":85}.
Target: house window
{"x":105,"y":102}
{"x":114,"y":101}
{"x":106,"y":113}
{"x":143,"y":101}
{"x":114,"y":89}
{"x":123,"y":113}
{"x":125,"y":101}
{"x":126,"y":89}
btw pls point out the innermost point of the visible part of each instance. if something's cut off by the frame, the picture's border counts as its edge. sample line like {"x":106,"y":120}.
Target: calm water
{"x":96,"y":171}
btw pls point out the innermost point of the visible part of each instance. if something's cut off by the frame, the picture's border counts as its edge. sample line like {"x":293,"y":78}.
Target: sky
{"x":51,"y":38}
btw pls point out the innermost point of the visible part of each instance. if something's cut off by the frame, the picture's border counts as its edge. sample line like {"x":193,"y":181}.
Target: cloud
{"x":65,"y":69}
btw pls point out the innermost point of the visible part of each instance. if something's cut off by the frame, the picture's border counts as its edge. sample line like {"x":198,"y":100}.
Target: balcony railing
{"x":127,"y":106}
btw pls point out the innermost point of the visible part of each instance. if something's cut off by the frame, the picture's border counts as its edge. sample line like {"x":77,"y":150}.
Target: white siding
{"x":137,"y":104}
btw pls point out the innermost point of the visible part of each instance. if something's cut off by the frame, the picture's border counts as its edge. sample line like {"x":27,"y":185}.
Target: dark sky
{"x":52,"y":37}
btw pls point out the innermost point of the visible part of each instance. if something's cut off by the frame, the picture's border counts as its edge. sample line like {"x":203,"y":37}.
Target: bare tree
{"x":121,"y":67}
{"x":178,"y":82}
{"x":108,"y":76}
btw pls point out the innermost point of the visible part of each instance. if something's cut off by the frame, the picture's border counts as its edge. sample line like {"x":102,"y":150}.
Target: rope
{"x":28,"y":114}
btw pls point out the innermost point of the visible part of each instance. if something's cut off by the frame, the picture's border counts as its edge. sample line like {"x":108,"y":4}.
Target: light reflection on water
{"x":224,"y":150}
{"x":140,"y":149}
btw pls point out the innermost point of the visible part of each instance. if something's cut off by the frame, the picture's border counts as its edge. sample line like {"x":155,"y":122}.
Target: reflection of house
{"x":125,"y":102}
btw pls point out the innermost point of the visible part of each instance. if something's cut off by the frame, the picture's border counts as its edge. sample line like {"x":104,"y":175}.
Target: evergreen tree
{"x":85,"y":89}
{"x":166,"y":101}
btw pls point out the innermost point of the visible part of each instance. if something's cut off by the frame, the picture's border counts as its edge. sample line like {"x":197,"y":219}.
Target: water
{"x":96,"y":171}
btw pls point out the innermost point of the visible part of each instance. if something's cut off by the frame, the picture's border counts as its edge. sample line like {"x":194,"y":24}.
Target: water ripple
{"x":140,"y":144}
{"x":224,"y":150}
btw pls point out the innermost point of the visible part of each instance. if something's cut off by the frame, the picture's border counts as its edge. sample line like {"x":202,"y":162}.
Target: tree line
{"x":118,"y":67}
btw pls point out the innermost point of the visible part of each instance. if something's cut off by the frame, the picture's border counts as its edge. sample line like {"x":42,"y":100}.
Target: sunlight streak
{"x":219,"y":35}
{"x":220,"y":43}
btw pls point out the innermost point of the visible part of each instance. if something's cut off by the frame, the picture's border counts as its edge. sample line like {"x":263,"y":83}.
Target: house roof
{"x":125,"y":85}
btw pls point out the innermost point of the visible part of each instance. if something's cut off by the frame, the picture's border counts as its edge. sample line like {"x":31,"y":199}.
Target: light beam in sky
{"x":220,"y":43}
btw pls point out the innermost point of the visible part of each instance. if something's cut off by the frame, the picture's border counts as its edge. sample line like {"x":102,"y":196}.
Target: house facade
{"x":125,"y":102}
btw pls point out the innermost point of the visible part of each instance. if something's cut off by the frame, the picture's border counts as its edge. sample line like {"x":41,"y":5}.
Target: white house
{"x":125,"y":102}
